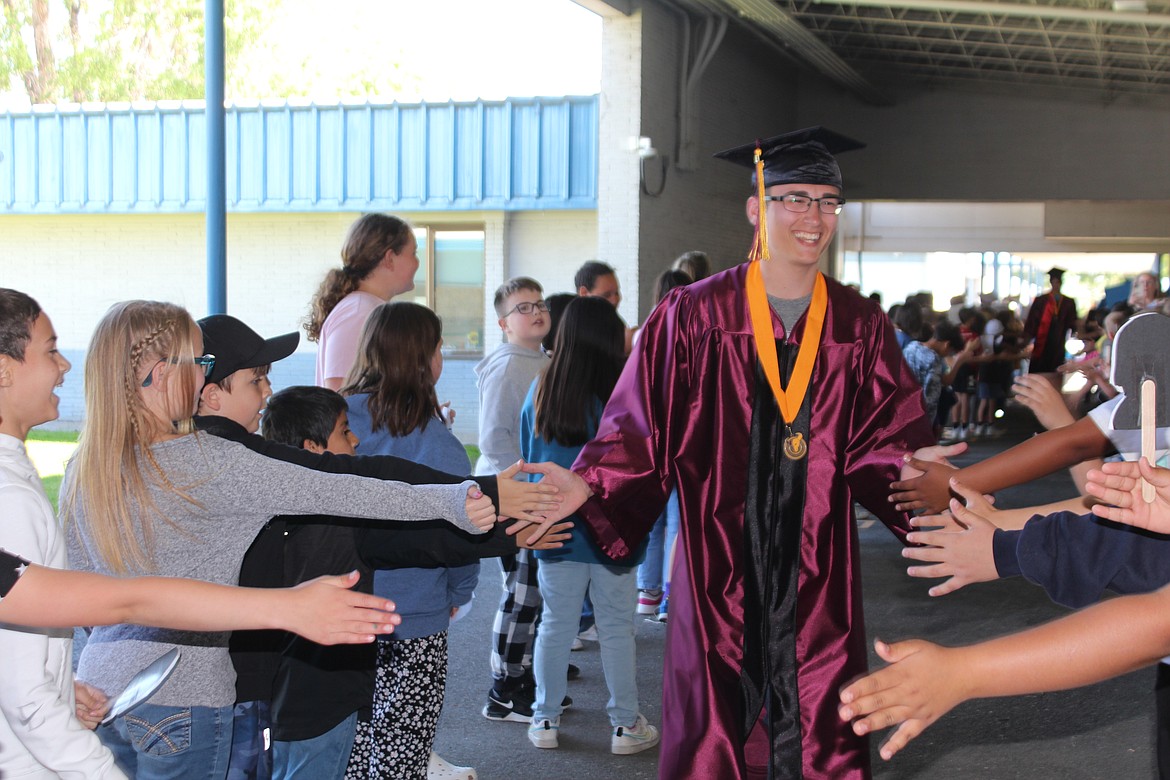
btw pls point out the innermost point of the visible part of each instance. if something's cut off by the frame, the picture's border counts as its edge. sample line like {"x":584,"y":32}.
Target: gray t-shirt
{"x":789,"y":309}
{"x":237,"y":491}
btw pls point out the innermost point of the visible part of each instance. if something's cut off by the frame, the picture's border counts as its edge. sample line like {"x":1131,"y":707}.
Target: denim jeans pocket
{"x":171,"y":734}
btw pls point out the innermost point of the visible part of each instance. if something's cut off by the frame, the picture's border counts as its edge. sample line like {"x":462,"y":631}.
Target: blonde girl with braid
{"x":378,"y":261}
{"x":145,"y":495}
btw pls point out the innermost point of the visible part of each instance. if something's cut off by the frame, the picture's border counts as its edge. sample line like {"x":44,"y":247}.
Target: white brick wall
{"x":76,"y":266}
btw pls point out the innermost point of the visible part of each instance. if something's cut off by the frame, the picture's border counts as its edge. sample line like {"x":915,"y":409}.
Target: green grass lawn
{"x":49,"y":450}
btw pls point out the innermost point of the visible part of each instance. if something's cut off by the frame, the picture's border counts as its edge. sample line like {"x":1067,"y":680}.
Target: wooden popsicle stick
{"x":1149,"y":417}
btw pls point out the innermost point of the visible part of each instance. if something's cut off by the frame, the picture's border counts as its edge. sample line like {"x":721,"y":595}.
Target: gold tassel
{"x":759,"y":250}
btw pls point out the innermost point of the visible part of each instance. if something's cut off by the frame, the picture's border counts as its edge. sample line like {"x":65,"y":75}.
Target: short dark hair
{"x":512,"y":286}
{"x":949,"y":333}
{"x":18,"y":312}
{"x":588,"y":274}
{"x":302,"y":412}
{"x":667,"y":281}
{"x":909,"y":320}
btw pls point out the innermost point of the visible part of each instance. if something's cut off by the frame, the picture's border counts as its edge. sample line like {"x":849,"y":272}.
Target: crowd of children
{"x":171,"y":479}
{"x":172,"y":500}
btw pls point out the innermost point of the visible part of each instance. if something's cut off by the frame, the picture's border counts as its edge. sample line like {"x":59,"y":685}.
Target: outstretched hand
{"x":1119,"y":486}
{"x":556,"y":536}
{"x":524,"y":500}
{"x":571,"y":488}
{"x":921,"y":685}
{"x":924,"y":479}
{"x":963,"y":551}
{"x":1045,"y":401}
{"x":326,"y":611}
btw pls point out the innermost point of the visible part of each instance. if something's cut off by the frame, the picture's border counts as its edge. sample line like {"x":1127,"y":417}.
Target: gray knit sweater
{"x":238,"y":491}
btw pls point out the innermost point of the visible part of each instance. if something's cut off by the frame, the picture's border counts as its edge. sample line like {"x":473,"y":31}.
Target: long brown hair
{"x":587,"y":359}
{"x":113,"y":462}
{"x":393,"y":365}
{"x":366,"y":243}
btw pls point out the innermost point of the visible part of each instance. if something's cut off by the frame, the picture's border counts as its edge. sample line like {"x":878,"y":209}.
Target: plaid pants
{"x":515,"y":625}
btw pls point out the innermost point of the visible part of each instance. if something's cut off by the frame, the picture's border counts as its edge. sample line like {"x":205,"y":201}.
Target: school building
{"x":100,"y":203}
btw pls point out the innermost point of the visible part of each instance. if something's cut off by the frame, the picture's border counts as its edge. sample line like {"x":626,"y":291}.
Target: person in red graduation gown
{"x":765,"y":615}
{"x":1051,"y":318}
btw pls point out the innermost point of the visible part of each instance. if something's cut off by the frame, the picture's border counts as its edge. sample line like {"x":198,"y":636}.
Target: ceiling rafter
{"x":1084,"y":45}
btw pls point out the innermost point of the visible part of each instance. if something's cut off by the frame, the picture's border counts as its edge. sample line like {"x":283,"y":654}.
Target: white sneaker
{"x":577,"y":644}
{"x":648,"y":601}
{"x":628,"y":740}
{"x":543,"y":733}
{"x":439,"y":768}
{"x":589,"y":634}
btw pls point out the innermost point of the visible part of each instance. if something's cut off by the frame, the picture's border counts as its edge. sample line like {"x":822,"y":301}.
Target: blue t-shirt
{"x":582,"y":547}
{"x":424,"y":597}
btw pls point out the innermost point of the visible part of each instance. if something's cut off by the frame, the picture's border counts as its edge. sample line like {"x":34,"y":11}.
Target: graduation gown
{"x":765,"y":607}
{"x":1049,"y":324}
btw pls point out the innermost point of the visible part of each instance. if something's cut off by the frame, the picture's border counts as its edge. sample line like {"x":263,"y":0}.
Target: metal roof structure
{"x":1096,"y":50}
{"x":510,"y":155}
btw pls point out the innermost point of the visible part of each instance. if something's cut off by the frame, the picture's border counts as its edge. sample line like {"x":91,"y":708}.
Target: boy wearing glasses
{"x":772,"y":398}
{"x":504,"y":377}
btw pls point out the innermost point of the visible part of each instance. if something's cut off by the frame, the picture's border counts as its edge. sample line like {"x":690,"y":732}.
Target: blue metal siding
{"x":510,"y":155}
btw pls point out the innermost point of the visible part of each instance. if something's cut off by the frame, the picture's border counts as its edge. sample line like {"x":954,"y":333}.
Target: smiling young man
{"x":772,"y":398}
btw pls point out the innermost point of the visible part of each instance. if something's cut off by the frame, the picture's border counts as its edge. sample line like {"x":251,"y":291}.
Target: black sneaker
{"x":514,"y":706}
{"x":527,"y":691}
{"x":574,"y":671}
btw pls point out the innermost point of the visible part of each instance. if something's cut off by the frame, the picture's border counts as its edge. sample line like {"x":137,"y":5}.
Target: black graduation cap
{"x":799,"y":157}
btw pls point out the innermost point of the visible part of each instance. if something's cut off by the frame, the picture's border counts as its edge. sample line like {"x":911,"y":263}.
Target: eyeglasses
{"x":528,"y":307}
{"x":830,"y":204}
{"x":206,"y":361}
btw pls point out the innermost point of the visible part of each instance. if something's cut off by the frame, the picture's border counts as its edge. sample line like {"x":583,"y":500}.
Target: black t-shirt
{"x":11,"y":567}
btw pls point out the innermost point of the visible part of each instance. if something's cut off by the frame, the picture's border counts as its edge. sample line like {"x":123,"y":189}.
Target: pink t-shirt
{"x":337,"y":347}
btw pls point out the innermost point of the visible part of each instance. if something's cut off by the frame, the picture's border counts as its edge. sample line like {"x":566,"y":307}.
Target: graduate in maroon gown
{"x":773,"y":398}
{"x":1051,"y":318}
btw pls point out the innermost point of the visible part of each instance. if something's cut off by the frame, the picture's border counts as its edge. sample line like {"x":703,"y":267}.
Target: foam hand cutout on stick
{"x":1141,"y":367}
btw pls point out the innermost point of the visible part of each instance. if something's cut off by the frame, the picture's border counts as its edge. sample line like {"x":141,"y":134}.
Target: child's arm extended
{"x":244,"y":482}
{"x":323,"y":610}
{"x":963,"y":552}
{"x":924,"y":681}
{"x":1028,"y":460}
{"x":1074,"y":557}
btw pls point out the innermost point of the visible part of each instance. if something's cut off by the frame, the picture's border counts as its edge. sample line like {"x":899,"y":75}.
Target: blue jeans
{"x":654,"y":572}
{"x":319,"y":758}
{"x":614,"y":590}
{"x":153,"y":742}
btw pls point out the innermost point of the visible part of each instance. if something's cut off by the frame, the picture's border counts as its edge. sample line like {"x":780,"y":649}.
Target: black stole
{"x":773,"y":514}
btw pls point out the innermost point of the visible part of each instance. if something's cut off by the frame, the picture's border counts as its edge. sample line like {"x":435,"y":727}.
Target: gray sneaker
{"x":628,"y":740}
{"x":543,"y":733}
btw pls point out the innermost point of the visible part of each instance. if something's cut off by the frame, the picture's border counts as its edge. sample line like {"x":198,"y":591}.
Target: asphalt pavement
{"x":1103,"y":731}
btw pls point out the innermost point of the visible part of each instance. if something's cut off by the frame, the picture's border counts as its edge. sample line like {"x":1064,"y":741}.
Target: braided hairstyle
{"x":113,"y":464}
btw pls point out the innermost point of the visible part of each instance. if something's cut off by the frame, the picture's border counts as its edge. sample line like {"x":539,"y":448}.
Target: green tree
{"x":120,"y":49}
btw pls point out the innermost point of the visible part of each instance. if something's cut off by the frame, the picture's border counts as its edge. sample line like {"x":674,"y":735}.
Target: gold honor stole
{"x":791,"y":398}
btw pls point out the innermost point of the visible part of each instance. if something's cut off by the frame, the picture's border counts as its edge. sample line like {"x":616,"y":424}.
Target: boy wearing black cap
{"x":230,"y":405}
{"x":772,"y":398}
{"x":237,"y":387}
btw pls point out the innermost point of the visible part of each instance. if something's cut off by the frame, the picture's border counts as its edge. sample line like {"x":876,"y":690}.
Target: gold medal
{"x":795,"y":446}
